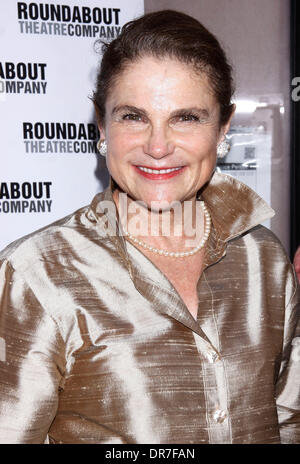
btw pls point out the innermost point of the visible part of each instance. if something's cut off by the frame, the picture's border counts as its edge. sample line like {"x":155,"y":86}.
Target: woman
{"x":117,"y":332}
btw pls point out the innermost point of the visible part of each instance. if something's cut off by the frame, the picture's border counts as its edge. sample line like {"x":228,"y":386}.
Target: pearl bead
{"x":179,"y":254}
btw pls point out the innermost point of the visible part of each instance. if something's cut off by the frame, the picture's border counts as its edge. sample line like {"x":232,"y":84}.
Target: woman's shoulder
{"x":47,"y":242}
{"x":266,"y":238}
{"x":262,"y":246}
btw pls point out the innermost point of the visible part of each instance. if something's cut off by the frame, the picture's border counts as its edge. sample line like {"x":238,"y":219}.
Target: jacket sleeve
{"x":288,"y":384}
{"x":31,"y":362}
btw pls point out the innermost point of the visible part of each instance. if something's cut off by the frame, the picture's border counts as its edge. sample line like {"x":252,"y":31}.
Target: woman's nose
{"x":159,"y":143}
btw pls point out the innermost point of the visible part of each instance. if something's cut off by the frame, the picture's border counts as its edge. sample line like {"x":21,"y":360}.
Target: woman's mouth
{"x":159,"y":174}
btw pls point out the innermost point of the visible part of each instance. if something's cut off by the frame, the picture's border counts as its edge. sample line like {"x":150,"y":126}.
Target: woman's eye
{"x":188,"y":118}
{"x":132,"y":117}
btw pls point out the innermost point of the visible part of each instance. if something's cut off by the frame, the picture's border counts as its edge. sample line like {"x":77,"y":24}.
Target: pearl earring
{"x":223,"y":148}
{"x":102,"y":147}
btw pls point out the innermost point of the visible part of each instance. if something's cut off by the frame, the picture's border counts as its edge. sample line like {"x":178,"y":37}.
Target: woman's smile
{"x":159,"y":174}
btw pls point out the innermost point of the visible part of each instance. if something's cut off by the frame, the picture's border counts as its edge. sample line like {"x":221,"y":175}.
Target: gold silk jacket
{"x":97,"y":346}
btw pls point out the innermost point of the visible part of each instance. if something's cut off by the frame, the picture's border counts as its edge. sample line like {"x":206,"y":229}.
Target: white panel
{"x":63,"y":54}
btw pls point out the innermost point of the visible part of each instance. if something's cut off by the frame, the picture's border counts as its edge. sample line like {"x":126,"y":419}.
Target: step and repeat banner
{"x":48,"y":134}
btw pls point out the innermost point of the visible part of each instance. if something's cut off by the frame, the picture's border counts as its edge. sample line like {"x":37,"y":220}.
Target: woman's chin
{"x":160,"y":204}
{"x":154,"y":199}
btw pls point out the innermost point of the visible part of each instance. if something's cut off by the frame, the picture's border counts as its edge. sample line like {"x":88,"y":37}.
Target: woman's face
{"x":160,"y":116}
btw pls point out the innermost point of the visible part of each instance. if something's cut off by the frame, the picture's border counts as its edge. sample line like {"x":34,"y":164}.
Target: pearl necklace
{"x":178,"y":254}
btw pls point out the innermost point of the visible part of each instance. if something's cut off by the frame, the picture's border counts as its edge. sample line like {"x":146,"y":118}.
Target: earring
{"x":223,"y":148}
{"x":102,"y":147}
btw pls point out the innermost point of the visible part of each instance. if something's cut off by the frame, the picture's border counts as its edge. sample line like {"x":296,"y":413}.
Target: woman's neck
{"x":181,"y":226}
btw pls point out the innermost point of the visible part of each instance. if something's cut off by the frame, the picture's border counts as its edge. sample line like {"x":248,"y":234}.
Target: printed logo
{"x":60,"y":137}
{"x":65,"y":20}
{"x":23,"y":78}
{"x":26,"y":197}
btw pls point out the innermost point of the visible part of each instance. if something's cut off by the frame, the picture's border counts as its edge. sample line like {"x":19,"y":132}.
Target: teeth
{"x":158,"y":171}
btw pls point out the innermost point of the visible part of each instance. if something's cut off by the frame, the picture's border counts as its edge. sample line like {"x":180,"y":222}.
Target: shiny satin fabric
{"x":98,"y":347}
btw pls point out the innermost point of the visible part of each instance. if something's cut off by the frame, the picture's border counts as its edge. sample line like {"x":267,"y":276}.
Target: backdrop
{"x":49,"y":162}
{"x":49,"y":166}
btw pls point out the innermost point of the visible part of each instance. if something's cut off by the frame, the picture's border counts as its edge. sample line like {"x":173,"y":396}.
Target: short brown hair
{"x":173,"y":34}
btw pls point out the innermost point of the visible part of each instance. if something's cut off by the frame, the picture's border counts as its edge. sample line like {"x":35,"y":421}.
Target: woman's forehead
{"x":148,"y":65}
{"x":158,"y":80}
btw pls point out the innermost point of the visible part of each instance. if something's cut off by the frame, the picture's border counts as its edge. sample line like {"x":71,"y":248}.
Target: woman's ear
{"x":101,"y":130}
{"x":99,"y":122}
{"x":226,"y":126}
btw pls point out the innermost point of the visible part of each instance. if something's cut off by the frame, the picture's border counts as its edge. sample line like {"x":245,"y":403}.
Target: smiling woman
{"x":115,"y":331}
{"x":149,"y":125}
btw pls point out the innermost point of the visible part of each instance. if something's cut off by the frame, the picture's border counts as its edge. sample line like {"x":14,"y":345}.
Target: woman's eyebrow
{"x":129,"y":108}
{"x":201,"y":112}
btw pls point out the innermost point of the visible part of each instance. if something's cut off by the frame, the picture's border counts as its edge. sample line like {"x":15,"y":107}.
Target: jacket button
{"x":219,"y":416}
{"x":212,"y":357}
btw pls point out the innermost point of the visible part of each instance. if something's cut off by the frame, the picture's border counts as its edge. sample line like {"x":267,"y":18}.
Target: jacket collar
{"x":234,"y":208}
